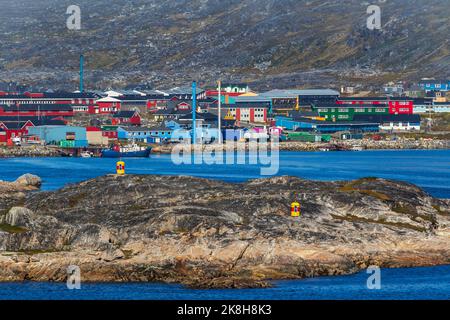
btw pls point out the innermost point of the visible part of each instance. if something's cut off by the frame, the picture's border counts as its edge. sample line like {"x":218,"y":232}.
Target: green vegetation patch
{"x":12,"y":229}
{"x":353,"y":187}
{"x":411,"y":211}
{"x":402,"y":225}
{"x":440,"y":211}
{"x":37,"y":251}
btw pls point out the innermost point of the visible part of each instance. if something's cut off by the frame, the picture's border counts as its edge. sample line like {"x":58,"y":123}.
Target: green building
{"x":346,"y":112}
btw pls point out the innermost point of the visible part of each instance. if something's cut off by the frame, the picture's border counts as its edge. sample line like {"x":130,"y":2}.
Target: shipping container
{"x":73,"y":143}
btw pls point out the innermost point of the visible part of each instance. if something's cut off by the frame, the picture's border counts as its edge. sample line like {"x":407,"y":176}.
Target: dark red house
{"x":127,"y":117}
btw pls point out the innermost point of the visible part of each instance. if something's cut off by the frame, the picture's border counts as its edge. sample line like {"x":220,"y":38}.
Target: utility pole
{"x":219,"y":122}
{"x":194,"y":110}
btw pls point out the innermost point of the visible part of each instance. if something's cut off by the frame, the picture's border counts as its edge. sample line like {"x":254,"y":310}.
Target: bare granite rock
{"x":206,"y":233}
{"x":29,"y":180}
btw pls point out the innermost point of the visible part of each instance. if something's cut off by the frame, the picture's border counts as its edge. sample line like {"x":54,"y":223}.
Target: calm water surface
{"x":428,"y":169}
{"x":404,"y":284}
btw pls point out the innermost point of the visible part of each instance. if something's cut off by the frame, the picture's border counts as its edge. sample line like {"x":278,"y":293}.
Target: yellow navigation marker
{"x":120,"y":167}
{"x":295,"y":209}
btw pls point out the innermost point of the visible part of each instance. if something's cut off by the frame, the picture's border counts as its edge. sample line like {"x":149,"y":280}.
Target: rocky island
{"x":212,"y":234}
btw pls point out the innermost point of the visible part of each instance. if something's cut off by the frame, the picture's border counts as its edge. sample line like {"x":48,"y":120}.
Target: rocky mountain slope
{"x":287,"y":42}
{"x":205,"y":233}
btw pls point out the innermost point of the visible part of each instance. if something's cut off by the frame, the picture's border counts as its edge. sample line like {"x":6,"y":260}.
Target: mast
{"x":219,"y":123}
{"x":194,"y":110}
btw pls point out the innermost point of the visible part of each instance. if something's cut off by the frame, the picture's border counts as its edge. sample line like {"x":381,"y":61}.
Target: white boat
{"x":86,"y":154}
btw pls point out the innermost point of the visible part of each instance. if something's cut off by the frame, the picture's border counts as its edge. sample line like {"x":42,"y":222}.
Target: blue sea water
{"x":429,"y":169}
{"x":396,"y":284}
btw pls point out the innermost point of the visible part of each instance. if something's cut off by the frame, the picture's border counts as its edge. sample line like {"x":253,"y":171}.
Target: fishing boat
{"x":129,"y":151}
{"x":86,"y":154}
{"x":357,"y":148}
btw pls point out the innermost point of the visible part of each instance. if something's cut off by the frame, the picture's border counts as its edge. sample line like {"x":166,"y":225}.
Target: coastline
{"x":348,"y":145}
{"x":220,"y":235}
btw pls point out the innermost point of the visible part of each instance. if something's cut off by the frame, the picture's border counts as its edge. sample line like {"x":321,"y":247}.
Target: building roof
{"x":207,"y":116}
{"x":433,"y":81}
{"x":253,"y":104}
{"x":70,"y":95}
{"x":37,"y":107}
{"x":146,"y":129}
{"x":241,"y":85}
{"x":294,"y":93}
{"x":253,"y":99}
{"x":14,"y":125}
{"x":172,"y":112}
{"x":423,"y":101}
{"x":93,"y":129}
{"x":303,"y":114}
{"x":381,"y":118}
{"x":124,"y":114}
{"x":363,"y":98}
{"x":108,"y":99}
{"x":51,"y":95}
{"x":346,"y":106}
{"x":401,"y":99}
{"x":332,"y":123}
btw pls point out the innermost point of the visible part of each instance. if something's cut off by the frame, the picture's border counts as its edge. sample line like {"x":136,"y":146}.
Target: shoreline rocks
{"x":34,"y":151}
{"x":403,"y":144}
{"x":211,"y":234}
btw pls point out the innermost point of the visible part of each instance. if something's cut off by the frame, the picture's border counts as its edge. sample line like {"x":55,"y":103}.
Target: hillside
{"x":287,"y":42}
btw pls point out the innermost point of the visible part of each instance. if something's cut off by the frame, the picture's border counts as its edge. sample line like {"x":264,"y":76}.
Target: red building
{"x":48,"y":98}
{"x":14,"y":127}
{"x":108,"y":105}
{"x":252,"y":112}
{"x":127,"y":117}
{"x":363,"y":100}
{"x":401,"y":106}
{"x":3,"y":138}
{"x":154,"y":105}
{"x":110,"y":134}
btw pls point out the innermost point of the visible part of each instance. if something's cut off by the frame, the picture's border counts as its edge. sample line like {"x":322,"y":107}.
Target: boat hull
{"x":132,"y":154}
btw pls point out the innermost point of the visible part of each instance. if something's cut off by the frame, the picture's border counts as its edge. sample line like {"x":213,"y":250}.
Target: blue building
{"x":172,"y":124}
{"x":441,"y":107}
{"x":435,"y":85}
{"x":309,"y":125}
{"x":142,"y":134}
{"x":55,"y":134}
